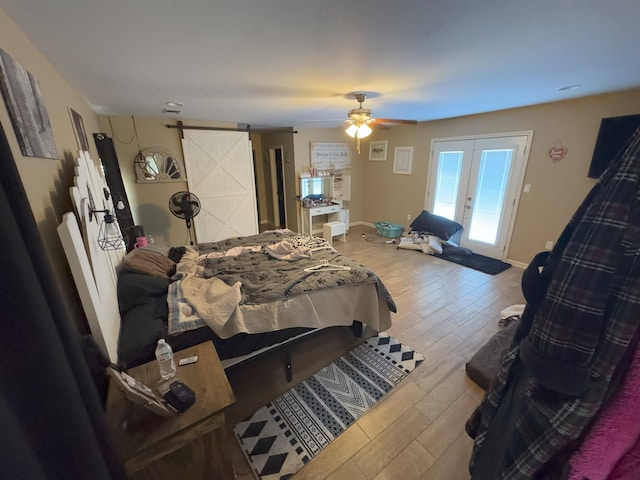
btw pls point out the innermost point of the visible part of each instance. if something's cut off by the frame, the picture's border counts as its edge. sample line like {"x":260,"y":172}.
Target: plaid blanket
{"x":559,"y":369}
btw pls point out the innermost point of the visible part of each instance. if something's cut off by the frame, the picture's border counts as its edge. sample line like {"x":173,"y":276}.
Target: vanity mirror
{"x":316,"y":186}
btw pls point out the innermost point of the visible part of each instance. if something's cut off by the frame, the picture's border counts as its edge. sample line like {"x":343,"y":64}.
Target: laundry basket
{"x":389,"y":230}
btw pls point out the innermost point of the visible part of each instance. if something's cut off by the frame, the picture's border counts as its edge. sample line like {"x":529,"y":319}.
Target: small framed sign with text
{"x":330,"y":156}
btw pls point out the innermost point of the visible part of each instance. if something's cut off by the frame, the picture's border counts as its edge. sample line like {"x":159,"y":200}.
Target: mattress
{"x":144,"y":316}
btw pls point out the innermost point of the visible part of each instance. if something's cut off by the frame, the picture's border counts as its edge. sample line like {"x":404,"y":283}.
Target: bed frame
{"x":95,"y":272}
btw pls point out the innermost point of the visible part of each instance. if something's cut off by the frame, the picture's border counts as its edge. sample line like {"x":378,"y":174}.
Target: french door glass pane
{"x":493,"y":176}
{"x":447,"y":182}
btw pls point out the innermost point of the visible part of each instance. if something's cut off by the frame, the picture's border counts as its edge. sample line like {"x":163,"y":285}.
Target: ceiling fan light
{"x":352,"y":130}
{"x":364,"y":130}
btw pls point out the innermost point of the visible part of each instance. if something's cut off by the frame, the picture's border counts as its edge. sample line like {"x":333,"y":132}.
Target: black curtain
{"x":51,"y":418}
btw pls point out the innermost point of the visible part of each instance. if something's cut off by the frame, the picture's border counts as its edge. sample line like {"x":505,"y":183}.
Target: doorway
{"x":476,"y":181}
{"x":277,"y":187}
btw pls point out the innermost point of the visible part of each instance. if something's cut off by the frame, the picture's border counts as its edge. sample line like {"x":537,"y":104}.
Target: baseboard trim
{"x":366,"y":224}
{"x":518,"y":264}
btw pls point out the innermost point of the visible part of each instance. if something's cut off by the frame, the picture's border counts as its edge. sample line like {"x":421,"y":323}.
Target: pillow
{"x":138,"y":288}
{"x":456,"y":253}
{"x":151,"y":262}
{"x":439,"y":226}
{"x":430,"y":244}
{"x":484,"y":364}
{"x":408,"y":243}
{"x":434,"y":244}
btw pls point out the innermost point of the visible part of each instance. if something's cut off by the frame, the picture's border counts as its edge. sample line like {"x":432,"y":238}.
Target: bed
{"x":246,"y":294}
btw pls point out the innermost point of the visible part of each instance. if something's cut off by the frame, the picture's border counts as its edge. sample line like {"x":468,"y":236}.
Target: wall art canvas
{"x":378,"y":150}
{"x":21,"y":94}
{"x":79,"y":131}
{"x":403,"y":160}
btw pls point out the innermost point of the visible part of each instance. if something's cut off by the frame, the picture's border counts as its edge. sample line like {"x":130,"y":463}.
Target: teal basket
{"x":389,"y":230}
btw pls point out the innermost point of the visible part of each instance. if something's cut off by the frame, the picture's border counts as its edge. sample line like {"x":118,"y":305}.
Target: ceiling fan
{"x":360,"y":120}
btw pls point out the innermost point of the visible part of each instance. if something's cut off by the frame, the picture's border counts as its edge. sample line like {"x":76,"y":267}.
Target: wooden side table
{"x":189,"y":445}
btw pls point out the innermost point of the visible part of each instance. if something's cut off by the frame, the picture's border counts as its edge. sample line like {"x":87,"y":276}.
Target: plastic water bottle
{"x":164,"y":355}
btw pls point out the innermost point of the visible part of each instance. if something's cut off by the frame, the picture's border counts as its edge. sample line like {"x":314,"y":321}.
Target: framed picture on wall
{"x":27,"y":110}
{"x":78,"y":130}
{"x":403,"y":160}
{"x":378,"y":150}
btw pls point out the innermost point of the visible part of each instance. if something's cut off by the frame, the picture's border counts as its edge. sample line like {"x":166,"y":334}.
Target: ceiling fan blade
{"x":329,"y":120}
{"x":273,"y":130}
{"x":395,"y":120}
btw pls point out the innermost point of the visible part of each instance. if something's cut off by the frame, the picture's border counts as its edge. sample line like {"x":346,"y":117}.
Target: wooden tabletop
{"x":154,"y":436}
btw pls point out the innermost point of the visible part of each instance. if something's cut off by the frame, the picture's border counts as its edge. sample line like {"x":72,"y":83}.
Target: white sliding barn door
{"x":219,"y":169}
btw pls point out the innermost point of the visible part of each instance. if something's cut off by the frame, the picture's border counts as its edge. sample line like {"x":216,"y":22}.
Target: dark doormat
{"x":477,"y":262}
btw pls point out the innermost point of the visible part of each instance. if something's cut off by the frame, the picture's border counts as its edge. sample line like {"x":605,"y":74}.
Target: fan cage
{"x":180,"y":201}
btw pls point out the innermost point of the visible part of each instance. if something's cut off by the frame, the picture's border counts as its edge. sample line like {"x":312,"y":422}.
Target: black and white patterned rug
{"x":281,"y":437}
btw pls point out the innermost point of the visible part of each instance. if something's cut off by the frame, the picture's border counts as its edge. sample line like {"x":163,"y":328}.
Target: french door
{"x":476,"y":182}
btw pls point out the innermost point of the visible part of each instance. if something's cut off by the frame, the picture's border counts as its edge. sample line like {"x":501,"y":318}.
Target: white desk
{"x":306,"y":216}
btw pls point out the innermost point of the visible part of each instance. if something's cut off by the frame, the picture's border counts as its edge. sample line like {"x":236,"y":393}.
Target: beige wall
{"x":47,"y":181}
{"x":149,"y":201}
{"x":556,"y":188}
{"x":357,"y":172}
{"x":377,"y":194}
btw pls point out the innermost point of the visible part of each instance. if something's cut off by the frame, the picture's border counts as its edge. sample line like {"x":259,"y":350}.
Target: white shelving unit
{"x":342,"y":196}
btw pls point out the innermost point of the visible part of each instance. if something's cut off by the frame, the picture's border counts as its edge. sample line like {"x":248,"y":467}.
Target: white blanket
{"x":207,"y":299}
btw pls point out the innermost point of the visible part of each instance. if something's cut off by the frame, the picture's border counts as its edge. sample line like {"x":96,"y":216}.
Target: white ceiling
{"x":290,"y":62}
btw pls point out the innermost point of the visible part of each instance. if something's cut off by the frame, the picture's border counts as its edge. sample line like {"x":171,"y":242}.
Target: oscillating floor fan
{"x":185,"y":205}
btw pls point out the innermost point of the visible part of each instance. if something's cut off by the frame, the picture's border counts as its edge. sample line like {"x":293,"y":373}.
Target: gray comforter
{"x":265,"y":278}
{"x":255,"y":271}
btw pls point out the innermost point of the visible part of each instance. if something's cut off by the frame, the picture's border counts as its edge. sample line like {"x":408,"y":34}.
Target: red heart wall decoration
{"x":557,"y":153}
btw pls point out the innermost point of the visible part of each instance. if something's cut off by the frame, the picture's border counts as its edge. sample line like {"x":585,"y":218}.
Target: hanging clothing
{"x":614,"y":432}
{"x":572,"y":337}
{"x":628,"y":466}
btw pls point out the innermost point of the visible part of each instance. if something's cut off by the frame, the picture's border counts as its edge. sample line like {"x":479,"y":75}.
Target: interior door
{"x":219,"y":169}
{"x":476,"y":182}
{"x":277,"y":187}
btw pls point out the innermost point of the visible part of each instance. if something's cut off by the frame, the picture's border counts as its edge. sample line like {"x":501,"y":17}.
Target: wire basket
{"x":387,"y":229}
